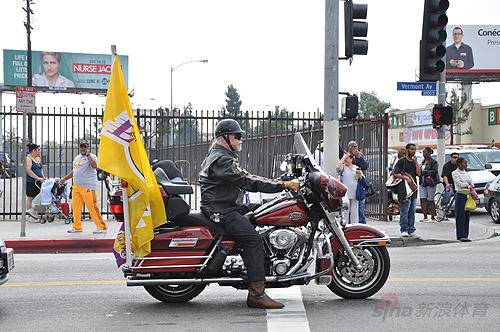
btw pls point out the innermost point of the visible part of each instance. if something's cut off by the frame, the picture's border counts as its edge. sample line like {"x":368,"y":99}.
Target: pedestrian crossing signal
{"x":442,"y":116}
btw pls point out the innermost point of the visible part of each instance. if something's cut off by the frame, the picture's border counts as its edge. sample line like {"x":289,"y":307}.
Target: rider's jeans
{"x":239,"y":228}
{"x":447,"y":195}
{"x":407,"y":216}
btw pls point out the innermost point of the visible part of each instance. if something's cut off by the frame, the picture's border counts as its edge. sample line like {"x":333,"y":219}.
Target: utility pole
{"x":29,"y":81}
{"x":441,"y":132}
{"x":331,"y":87}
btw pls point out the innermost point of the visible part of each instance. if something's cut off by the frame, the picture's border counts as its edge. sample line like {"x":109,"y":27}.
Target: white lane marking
{"x":293,"y":316}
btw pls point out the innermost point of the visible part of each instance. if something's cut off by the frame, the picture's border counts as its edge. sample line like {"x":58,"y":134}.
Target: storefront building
{"x":416,"y":126}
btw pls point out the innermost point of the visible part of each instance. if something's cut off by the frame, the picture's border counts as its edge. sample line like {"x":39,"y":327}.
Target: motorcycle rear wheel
{"x":349,"y":283}
{"x":175,"y":293}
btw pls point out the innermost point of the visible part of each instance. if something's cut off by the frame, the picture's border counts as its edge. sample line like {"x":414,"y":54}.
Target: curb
{"x":416,"y":242}
{"x":32,"y":246}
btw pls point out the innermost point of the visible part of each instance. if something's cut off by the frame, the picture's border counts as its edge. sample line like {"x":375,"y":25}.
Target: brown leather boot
{"x":257,"y":297}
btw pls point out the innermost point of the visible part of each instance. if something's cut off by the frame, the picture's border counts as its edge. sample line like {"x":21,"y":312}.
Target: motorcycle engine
{"x":283,"y":239}
{"x":283,"y":246}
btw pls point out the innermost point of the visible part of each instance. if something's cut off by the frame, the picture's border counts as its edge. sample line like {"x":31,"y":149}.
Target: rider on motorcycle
{"x":223,"y":184}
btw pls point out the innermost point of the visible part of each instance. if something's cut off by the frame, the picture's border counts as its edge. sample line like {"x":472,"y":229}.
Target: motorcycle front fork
{"x":333,"y":223}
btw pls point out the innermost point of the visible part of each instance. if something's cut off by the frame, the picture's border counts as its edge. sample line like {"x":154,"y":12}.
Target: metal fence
{"x":184,"y":137}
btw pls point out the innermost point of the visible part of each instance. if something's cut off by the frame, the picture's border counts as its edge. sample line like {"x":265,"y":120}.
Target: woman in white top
{"x":349,"y":176}
{"x":462,"y":182}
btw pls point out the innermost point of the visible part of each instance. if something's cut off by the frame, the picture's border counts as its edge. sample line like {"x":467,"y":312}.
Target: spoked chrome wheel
{"x":175,"y":293}
{"x":350,"y":283}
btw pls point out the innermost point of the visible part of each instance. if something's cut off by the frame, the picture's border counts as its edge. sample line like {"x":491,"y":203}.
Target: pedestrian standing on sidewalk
{"x":349,"y":175}
{"x":362,"y":163}
{"x":84,"y":188}
{"x":408,"y":169}
{"x":428,"y":182}
{"x":34,"y":178}
{"x":462,"y":182}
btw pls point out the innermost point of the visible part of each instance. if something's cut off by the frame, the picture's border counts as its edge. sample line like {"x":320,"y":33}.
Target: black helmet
{"x":227,"y":126}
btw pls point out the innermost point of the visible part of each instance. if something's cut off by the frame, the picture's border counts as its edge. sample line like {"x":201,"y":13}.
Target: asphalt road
{"x":453,"y":286}
{"x":480,"y":216}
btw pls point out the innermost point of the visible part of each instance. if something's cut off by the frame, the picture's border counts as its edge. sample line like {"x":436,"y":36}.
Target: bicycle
{"x":443,"y":211}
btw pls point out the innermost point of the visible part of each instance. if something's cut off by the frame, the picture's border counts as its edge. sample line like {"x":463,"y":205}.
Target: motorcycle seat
{"x":172,"y":188}
{"x":197,"y":218}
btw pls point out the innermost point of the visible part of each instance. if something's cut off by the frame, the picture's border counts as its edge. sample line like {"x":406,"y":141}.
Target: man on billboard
{"x":50,"y":76}
{"x":459,"y":55}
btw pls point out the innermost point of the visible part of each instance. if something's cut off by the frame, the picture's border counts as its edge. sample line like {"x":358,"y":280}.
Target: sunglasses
{"x":454,"y":157}
{"x":84,"y":146}
{"x":238,"y":136}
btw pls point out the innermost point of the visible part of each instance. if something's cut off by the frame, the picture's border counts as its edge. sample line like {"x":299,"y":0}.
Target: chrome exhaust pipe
{"x":131,"y":281}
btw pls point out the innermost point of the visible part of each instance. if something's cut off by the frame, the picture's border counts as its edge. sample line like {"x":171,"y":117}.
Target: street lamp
{"x":171,"y":82}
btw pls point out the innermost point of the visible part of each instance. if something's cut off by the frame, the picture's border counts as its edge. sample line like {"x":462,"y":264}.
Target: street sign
{"x":416,"y":86}
{"x":428,"y":92}
{"x":25,"y":99}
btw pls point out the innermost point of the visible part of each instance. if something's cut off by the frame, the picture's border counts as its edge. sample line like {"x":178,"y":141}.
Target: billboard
{"x":60,"y":70}
{"x":473,"y":53}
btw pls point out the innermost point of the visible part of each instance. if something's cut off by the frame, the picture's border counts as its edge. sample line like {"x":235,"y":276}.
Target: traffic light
{"x":355,"y":11}
{"x":442,"y":116}
{"x":432,"y":47}
{"x":350,"y":106}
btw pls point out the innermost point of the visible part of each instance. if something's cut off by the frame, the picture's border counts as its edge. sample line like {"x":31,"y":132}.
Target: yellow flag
{"x":122,"y":153}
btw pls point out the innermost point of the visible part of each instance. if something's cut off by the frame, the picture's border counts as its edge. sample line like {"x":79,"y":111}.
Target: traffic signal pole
{"x":331,"y":87}
{"x":440,"y":139}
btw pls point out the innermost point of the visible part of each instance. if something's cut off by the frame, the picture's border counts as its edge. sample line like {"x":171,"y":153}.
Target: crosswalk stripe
{"x":293,"y":316}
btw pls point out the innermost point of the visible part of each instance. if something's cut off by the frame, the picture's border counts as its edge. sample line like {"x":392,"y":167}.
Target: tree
{"x":371,"y":105}
{"x":164,"y":126}
{"x":462,"y":110}
{"x":233,"y":102}
{"x":93,"y":133}
{"x":281,"y":121}
{"x":12,"y":144}
{"x":187,"y":131}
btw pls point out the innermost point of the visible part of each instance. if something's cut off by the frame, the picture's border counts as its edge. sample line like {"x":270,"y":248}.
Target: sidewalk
{"x":53,"y":238}
{"x":430,"y":232}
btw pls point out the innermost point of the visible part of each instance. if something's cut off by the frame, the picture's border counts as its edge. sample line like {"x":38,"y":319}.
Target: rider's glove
{"x":292,"y":185}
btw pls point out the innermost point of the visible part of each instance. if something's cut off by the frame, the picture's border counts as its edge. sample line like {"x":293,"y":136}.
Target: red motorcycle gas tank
{"x":290,"y":212}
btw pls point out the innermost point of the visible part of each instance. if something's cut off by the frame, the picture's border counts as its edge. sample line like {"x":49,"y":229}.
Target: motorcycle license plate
{"x":9,"y":255}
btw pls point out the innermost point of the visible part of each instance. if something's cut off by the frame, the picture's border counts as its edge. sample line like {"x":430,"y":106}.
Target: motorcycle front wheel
{"x":350,"y":283}
{"x":175,"y":293}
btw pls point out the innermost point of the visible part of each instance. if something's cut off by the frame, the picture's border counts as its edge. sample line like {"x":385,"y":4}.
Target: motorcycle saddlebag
{"x":176,"y":250}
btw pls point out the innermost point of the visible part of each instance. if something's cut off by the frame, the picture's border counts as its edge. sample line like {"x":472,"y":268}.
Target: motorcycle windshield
{"x":301,"y":147}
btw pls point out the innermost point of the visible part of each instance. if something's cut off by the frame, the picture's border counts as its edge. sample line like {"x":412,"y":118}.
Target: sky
{"x":271,"y":51}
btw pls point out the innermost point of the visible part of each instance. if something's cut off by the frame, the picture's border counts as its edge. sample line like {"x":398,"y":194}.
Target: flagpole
{"x":126,"y":214}
{"x":126,"y":220}
{"x":113,"y":54}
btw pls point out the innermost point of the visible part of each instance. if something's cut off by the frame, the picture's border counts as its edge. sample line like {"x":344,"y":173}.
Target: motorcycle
{"x":305,"y":239}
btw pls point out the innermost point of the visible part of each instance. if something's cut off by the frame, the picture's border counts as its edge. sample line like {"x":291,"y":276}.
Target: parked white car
{"x":490,"y":156}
